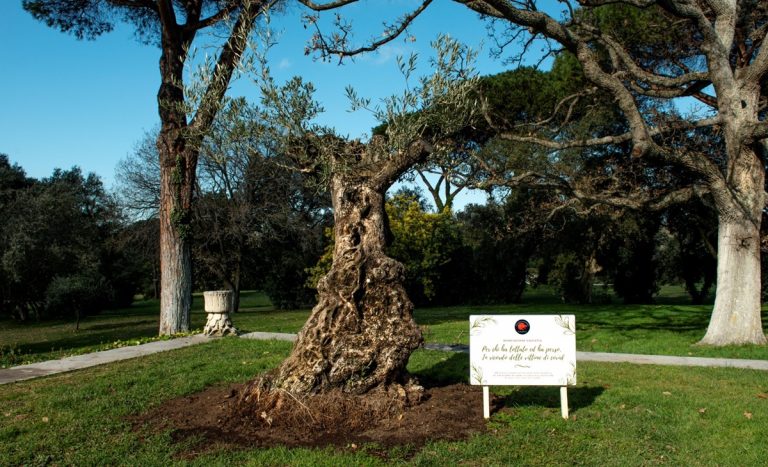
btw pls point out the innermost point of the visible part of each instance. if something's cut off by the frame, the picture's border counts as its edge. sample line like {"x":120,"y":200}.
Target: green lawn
{"x":621,"y":415}
{"x":669,"y":327}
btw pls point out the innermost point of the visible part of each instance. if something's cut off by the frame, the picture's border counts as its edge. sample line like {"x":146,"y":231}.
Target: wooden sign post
{"x":522,"y":350}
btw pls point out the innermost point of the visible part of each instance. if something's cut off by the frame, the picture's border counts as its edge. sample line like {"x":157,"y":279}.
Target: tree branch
{"x":759,"y":66}
{"x":603,"y":140}
{"x":326,"y":6}
{"x":392,"y":168}
{"x":229,"y":57}
{"x":167,"y":16}
{"x":760,"y":130}
{"x":220,"y":15}
{"x":642,"y":202}
{"x":338,"y":45}
{"x":670,"y":82}
{"x":637,"y":201}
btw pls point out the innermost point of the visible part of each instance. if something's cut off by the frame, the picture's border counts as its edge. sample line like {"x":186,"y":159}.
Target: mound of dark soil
{"x":219,"y":418}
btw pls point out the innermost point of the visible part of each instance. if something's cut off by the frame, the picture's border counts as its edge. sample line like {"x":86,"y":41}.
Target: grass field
{"x":621,"y":414}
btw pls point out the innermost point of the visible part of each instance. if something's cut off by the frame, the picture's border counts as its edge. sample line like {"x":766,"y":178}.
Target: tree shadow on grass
{"x":452,"y":369}
{"x":579,"y":397}
{"x":93,"y":337}
{"x":111,"y":326}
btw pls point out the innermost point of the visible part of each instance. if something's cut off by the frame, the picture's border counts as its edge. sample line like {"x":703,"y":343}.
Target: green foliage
{"x":653,"y":37}
{"x":58,"y":256}
{"x":687,"y":248}
{"x":424,"y":242}
{"x":85,"y":19}
{"x":569,"y":277}
{"x":76,"y":295}
{"x":286,"y":276}
{"x":634,"y":266}
{"x":502,"y":239}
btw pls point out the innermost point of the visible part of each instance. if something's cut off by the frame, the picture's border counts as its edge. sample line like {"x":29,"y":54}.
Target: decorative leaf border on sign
{"x":477,"y":325}
{"x":477,"y":374}
{"x":570,"y":379}
{"x":565,"y":323}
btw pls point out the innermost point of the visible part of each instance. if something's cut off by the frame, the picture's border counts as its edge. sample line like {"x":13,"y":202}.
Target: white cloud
{"x":387,"y":53}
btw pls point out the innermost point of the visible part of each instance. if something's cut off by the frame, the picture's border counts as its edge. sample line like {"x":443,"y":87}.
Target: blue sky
{"x":65,"y":102}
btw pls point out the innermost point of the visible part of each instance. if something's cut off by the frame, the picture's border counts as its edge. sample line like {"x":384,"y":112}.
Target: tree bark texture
{"x":175,"y":251}
{"x":740,"y":200}
{"x":362,"y":332}
{"x":734,"y":321}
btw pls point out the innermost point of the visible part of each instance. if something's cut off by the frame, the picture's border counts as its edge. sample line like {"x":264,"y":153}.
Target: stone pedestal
{"x":218,"y":305}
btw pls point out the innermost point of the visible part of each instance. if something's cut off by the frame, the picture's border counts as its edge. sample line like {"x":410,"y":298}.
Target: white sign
{"x":522,"y":350}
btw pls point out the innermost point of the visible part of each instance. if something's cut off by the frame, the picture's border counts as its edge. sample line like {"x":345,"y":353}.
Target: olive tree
{"x":361,"y":333}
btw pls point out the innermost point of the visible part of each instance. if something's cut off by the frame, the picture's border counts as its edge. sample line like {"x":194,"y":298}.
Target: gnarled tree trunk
{"x":362,"y":332}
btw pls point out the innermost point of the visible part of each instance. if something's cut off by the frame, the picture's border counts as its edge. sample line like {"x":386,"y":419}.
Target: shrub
{"x":77,"y":295}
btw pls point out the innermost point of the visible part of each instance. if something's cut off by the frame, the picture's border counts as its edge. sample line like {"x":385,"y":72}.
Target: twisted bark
{"x":361,"y":333}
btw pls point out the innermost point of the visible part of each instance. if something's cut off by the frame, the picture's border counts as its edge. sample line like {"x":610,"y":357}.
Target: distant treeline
{"x":68,"y":250}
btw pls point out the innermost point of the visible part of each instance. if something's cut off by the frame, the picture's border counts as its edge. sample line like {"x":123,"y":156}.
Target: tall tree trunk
{"x":175,"y":251}
{"x":178,"y":164}
{"x":362,"y":332}
{"x":736,"y":317}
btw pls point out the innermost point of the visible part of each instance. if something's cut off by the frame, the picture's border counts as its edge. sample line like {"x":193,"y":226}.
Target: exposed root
{"x":332,"y":413}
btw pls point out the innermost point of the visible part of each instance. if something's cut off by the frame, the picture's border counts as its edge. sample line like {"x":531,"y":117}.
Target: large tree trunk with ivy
{"x":178,"y":165}
{"x":175,"y":251}
{"x":362,"y":332}
{"x":176,"y":181}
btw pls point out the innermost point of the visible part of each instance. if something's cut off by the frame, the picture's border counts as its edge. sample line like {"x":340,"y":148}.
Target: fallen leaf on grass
{"x":762,"y":395}
{"x":45,"y":419}
{"x":703,"y":410}
{"x":667,"y":393}
{"x":748,"y":415}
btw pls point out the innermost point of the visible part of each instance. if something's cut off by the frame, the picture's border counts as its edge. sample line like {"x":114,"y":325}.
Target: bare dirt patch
{"x":217,"y":419}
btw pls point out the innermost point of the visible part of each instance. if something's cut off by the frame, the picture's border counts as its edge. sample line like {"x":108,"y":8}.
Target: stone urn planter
{"x":218,"y":305}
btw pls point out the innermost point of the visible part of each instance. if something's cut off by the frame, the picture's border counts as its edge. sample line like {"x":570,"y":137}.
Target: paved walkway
{"x":35,"y":370}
